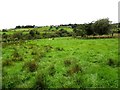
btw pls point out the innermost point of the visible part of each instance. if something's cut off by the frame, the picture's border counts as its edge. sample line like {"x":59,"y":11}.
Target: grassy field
{"x":39,"y":29}
{"x":61,"y":63}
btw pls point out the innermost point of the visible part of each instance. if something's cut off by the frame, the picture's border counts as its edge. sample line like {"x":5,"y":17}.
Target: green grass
{"x":61,"y":63}
{"x":39,"y":29}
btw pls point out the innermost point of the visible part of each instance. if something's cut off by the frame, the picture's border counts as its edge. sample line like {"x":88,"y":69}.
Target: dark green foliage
{"x":89,"y":29}
{"x":18,"y":35}
{"x":102,"y":26}
{"x":46,"y":35}
{"x":79,"y":30}
{"x":27,"y":26}
{"x":50,"y":28}
{"x":4,"y":30}
{"x":32,"y":33}
{"x":4,"y":35}
{"x":62,"y":33}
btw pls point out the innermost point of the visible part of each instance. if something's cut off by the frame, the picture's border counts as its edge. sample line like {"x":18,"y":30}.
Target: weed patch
{"x":31,"y":66}
{"x":40,"y":82}
{"x":7,"y":62}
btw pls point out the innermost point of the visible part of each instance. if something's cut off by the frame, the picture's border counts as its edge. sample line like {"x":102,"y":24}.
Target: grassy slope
{"x":61,"y":58}
{"x":40,"y":29}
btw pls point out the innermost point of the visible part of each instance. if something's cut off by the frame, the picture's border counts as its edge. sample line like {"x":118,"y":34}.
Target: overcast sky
{"x":55,"y":12}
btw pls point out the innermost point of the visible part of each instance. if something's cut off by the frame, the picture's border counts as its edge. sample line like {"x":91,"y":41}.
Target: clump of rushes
{"x":52,"y":70}
{"x":16,"y":56}
{"x":47,"y":48}
{"x":33,"y":53}
{"x":67,"y":62}
{"x":41,"y":54}
{"x":74,"y":69}
{"x":59,"y":49}
{"x":31,"y":66}
{"x":40,"y":83}
{"x":7,"y":62}
{"x":112,"y":62}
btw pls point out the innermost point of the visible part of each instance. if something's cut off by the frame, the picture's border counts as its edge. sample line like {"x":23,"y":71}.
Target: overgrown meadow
{"x":32,"y":58}
{"x":61,"y":63}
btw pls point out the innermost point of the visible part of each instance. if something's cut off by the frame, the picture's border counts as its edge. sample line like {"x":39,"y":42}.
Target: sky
{"x":55,"y":12}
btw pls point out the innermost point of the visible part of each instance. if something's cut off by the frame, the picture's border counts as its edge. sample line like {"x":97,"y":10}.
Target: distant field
{"x":61,"y":63}
{"x":40,"y":29}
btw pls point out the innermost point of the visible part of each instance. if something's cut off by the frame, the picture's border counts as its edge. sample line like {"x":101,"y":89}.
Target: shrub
{"x":17,"y":35}
{"x":62,"y":33}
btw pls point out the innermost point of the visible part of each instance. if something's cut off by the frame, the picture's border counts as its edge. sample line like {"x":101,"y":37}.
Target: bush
{"x":17,"y":35}
{"x":79,"y":30}
{"x":62,"y":33}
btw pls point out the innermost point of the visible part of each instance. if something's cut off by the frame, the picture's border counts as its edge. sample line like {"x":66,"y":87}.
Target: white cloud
{"x":47,"y":12}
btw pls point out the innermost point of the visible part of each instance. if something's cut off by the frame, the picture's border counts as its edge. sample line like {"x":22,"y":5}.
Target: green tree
{"x":102,"y":26}
{"x":79,"y":30}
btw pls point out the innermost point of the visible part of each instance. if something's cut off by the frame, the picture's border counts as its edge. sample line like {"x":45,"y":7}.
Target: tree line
{"x":99,"y":27}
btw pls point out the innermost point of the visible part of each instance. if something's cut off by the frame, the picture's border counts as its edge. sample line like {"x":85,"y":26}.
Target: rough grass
{"x":61,"y":63}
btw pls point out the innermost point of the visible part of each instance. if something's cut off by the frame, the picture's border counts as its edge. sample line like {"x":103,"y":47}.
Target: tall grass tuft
{"x":40,"y":83}
{"x":31,"y":66}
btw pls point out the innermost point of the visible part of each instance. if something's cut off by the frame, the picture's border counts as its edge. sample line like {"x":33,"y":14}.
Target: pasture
{"x":64,"y":62}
